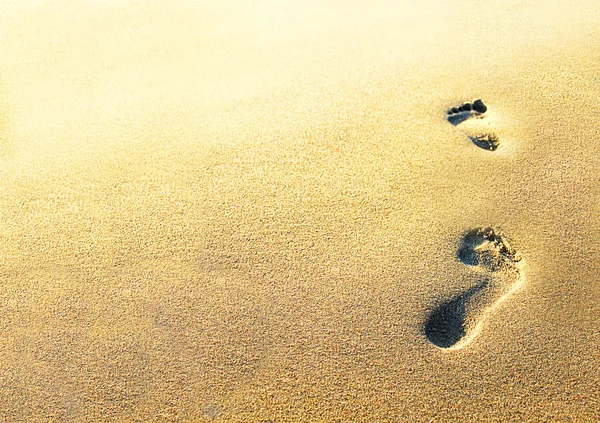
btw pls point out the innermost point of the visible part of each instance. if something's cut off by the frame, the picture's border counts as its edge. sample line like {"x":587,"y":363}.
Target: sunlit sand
{"x":252,"y":211}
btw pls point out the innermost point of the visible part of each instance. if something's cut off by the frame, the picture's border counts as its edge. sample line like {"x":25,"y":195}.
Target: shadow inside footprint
{"x":446,"y":324}
{"x":456,"y":119}
{"x":486,"y":141}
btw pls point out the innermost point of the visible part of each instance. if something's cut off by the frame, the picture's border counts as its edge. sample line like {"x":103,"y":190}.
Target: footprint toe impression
{"x":457,"y":115}
{"x":454,"y":323}
{"x":487,"y":247}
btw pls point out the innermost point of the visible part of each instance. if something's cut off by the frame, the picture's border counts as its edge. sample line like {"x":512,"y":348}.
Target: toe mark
{"x":479,"y":107}
{"x":463,"y":112}
{"x":487,"y":247}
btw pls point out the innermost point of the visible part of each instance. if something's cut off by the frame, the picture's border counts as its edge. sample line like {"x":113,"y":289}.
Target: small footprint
{"x":457,"y":321}
{"x":471,"y":118}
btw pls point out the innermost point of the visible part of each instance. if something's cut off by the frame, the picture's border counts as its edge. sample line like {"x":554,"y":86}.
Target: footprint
{"x":472,"y":120}
{"x":457,"y":321}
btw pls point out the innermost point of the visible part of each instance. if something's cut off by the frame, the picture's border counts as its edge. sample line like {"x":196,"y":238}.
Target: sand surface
{"x":248,"y":211}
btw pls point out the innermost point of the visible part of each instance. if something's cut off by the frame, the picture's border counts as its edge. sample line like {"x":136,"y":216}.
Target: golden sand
{"x":248,"y":211}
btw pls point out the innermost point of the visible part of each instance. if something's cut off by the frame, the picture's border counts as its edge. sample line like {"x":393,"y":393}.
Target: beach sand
{"x":233,"y":212}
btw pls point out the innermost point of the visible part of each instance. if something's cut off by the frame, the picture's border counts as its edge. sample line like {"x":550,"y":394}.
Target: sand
{"x":224,"y":211}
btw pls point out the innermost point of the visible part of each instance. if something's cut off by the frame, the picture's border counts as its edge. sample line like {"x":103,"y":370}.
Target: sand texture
{"x":278,"y":211}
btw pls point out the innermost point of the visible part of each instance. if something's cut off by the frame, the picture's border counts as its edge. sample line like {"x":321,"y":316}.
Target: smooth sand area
{"x":259,"y":211}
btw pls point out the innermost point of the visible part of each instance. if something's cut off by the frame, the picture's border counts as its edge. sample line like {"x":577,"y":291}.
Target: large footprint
{"x":471,"y":118}
{"x":456,"y":322}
